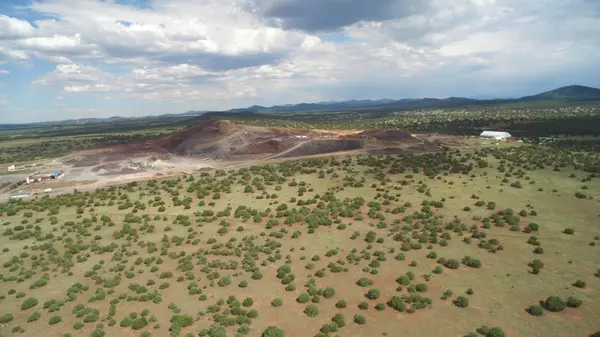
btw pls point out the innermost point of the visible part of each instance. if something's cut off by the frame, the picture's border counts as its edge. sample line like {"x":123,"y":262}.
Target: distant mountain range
{"x":569,"y":94}
{"x":572,"y":94}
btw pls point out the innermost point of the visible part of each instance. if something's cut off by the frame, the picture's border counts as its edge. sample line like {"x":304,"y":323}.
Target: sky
{"x":64,"y":59}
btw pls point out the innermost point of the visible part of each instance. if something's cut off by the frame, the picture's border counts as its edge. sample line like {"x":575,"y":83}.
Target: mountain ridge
{"x":571,"y":94}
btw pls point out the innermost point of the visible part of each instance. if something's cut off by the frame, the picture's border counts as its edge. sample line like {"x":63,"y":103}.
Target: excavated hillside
{"x":223,"y":140}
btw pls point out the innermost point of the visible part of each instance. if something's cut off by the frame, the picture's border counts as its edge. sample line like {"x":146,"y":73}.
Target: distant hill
{"x":571,"y":92}
{"x":568,"y":94}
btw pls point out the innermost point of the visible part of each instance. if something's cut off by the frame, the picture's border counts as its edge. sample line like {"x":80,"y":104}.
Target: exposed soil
{"x":223,"y":140}
{"x":323,"y":146}
{"x":387,"y":151}
{"x":389,"y":135}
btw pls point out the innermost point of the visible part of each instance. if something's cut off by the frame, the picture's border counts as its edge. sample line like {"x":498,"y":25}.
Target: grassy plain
{"x":171,"y":253}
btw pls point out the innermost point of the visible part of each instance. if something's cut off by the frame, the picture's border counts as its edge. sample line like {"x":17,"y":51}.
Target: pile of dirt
{"x":388,"y":135}
{"x":323,"y":146}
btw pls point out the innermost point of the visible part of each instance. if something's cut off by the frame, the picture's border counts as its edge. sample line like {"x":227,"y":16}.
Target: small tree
{"x":273,"y":331}
{"x":54,"y":319}
{"x":461,"y":302}
{"x":535,"y":310}
{"x":328,"y":292}
{"x":360,"y":319}
{"x":555,"y":304}
{"x":495,"y":332}
{"x":341,"y":304}
{"x":29,"y":303}
{"x":573,"y":302}
{"x":373,"y":294}
{"x":303,"y":298}
{"x":311,"y":311}
{"x":397,"y":304}
{"x":339,"y":320}
{"x":452,"y":264}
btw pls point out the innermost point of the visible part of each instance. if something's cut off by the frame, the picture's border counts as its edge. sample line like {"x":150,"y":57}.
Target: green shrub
{"x":573,"y":302}
{"x":569,"y":231}
{"x":579,"y":284}
{"x":364,"y":282}
{"x":328,"y":292}
{"x":54,"y":319}
{"x":461,"y":302}
{"x":6,"y":318}
{"x":34,"y":316}
{"x":397,"y":304}
{"x":341,"y":304}
{"x":373,"y":294}
{"x":535,"y":310}
{"x":273,"y":331}
{"x":127,"y":321}
{"x":339,"y":320}
{"x":555,"y":304}
{"x":248,"y":302}
{"x":303,"y":298}
{"x":139,"y":323}
{"x":360,"y":319}
{"x":311,"y":310}
{"x":277,"y":302}
{"x":452,"y":264}
{"x":29,"y":303}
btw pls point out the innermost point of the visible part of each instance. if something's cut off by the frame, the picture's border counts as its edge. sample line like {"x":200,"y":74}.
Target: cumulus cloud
{"x":78,"y":78}
{"x":12,"y":28}
{"x":4,"y":72}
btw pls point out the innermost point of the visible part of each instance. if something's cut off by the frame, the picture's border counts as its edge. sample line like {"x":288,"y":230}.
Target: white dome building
{"x":495,"y":134}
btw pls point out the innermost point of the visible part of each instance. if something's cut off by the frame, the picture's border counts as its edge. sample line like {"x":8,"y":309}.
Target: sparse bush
{"x":360,"y":319}
{"x":273,"y":331}
{"x":29,"y":303}
{"x":535,"y":310}
{"x":311,"y":310}
{"x":573,"y":302}
{"x":373,"y":294}
{"x":555,"y":304}
{"x":341,"y":304}
{"x":34,"y":316}
{"x":461,"y":302}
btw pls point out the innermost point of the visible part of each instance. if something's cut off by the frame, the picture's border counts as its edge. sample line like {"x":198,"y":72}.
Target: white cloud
{"x":75,"y":78}
{"x":11,"y":28}
{"x":4,"y":72}
{"x":3,"y":102}
{"x":7,"y":55}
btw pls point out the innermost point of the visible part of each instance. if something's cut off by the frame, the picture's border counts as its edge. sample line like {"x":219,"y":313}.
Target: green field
{"x":413,"y":245}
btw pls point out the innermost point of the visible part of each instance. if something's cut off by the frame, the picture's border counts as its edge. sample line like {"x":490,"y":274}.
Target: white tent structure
{"x":495,"y":134}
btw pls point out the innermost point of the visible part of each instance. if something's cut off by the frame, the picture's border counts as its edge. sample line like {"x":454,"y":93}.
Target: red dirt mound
{"x":220,"y":139}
